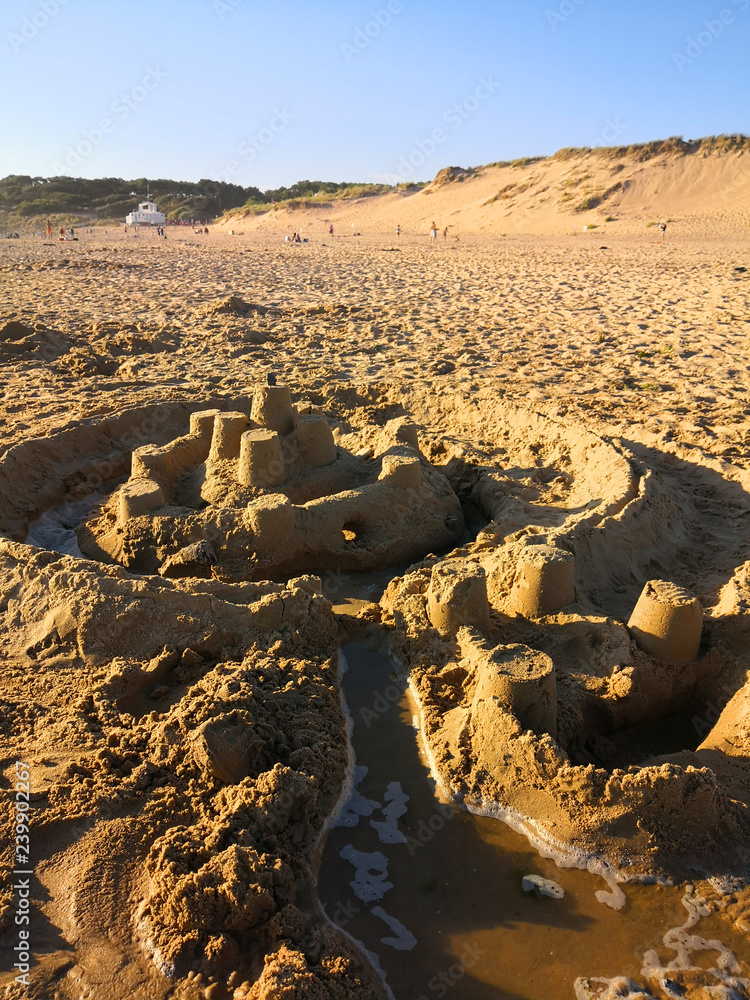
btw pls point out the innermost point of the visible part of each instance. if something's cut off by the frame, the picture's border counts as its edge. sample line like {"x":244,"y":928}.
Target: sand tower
{"x":316,"y":440}
{"x":140,"y":496}
{"x":227,"y":435}
{"x":260,"y":462}
{"x":667,"y":622}
{"x":545,"y":581}
{"x":272,"y":408}
{"x":524,"y":680}
{"x":404,"y":471}
{"x":457,"y":596}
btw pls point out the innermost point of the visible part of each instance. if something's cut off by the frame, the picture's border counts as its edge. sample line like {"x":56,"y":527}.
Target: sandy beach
{"x":625,"y":348}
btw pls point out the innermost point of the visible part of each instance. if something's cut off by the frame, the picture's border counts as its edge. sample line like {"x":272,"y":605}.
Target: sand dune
{"x":704,"y":193}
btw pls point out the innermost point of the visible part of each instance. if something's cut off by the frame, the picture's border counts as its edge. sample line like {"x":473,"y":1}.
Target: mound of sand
{"x":187,"y":744}
{"x":697,"y":189}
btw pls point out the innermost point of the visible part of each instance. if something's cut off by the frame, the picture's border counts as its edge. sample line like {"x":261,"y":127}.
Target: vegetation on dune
{"x":674,"y":146}
{"x":588,"y":203}
{"x":320,"y":191}
{"x":111,"y":198}
{"x":305,"y":194}
{"x":522,"y":161}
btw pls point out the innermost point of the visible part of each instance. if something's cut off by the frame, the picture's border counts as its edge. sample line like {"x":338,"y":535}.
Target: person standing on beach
{"x":330,"y":230}
{"x":398,"y":232}
{"x":663,"y":227}
{"x":49,"y":229}
{"x":433,"y":232}
{"x":445,"y":234}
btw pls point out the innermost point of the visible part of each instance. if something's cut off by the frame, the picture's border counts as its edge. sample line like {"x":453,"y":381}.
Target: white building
{"x":146,"y":215}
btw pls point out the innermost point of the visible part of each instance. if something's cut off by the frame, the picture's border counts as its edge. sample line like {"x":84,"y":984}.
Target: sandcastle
{"x":545,"y":581}
{"x":535,"y":663}
{"x":520,"y":678}
{"x":270,"y":491}
{"x":501,"y":713}
{"x":458,"y":596}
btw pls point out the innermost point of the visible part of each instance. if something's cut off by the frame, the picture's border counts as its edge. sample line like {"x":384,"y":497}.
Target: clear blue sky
{"x":268,"y":93}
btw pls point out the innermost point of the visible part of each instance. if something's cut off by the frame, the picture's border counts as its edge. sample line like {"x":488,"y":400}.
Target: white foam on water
{"x":544,"y":886}
{"x":347,"y":788}
{"x":404,"y":940}
{"x":370,"y":956}
{"x":357,"y":806}
{"x":726,"y":971}
{"x":388,"y":831}
{"x":348,"y":784}
{"x":678,"y":939}
{"x":540,"y":840}
{"x":370,"y":873}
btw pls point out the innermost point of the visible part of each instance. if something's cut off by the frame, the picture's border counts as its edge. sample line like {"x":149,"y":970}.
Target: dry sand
{"x":139,"y":702}
{"x":706,"y":192}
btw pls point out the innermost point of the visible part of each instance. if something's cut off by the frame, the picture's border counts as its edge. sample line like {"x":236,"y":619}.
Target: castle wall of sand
{"x":242,"y":476}
{"x":38,"y":473}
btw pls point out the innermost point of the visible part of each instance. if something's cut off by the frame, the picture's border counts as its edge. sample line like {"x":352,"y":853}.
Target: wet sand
{"x":454,"y":881}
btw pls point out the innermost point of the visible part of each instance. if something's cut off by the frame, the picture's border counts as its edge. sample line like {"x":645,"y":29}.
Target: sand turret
{"x":271,"y":519}
{"x":227,"y":435}
{"x":137,"y":497}
{"x":521,"y":678}
{"x":272,"y":408}
{"x":457,"y":596}
{"x":202,"y":424}
{"x":667,"y":622}
{"x":260,"y":462}
{"x":545,"y":581}
{"x":316,"y":440}
{"x":403,"y":471}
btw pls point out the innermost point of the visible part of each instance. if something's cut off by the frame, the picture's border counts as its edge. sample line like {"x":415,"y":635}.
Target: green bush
{"x":588,"y":203}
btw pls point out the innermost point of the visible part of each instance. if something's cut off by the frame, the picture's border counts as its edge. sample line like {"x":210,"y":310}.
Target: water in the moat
{"x":435,"y":894}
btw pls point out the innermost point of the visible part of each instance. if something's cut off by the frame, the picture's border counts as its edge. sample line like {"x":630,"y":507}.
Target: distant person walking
{"x":49,"y":229}
{"x":398,"y":232}
{"x":445,"y":234}
{"x":433,"y":232}
{"x":663,"y":227}
{"x":330,"y":230}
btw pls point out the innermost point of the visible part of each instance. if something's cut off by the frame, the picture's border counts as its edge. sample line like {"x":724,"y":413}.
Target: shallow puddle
{"x":435,"y":894}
